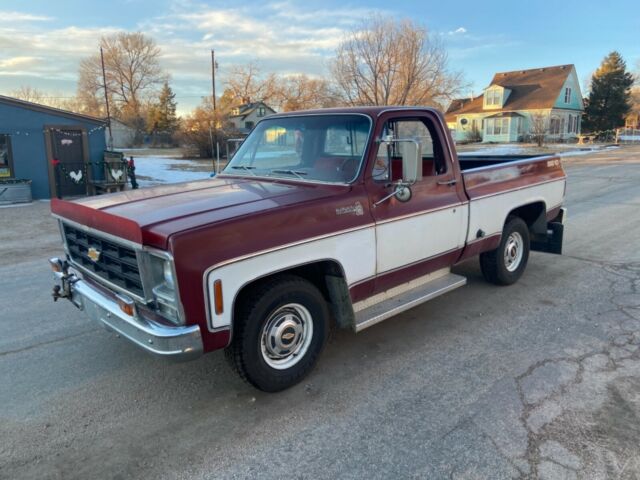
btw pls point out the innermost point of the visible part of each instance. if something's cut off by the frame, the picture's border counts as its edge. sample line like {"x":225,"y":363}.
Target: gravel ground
{"x":537,"y":380}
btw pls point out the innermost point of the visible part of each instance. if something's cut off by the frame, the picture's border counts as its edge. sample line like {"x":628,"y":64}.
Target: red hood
{"x":150,"y":215}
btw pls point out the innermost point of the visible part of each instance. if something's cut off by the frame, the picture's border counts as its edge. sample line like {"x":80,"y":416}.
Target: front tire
{"x":280,"y":329}
{"x":506,"y":264}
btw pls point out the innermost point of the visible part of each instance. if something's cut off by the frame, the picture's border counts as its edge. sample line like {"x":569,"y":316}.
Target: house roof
{"x":246,"y":108}
{"x":458,"y":103}
{"x":15,"y":102}
{"x":534,"y":89}
{"x":505,"y":115}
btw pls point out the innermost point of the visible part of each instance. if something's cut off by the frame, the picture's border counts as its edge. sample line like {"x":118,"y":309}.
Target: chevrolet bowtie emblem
{"x":93,"y":254}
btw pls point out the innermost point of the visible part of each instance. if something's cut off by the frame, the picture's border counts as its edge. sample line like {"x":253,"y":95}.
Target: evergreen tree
{"x":162,"y":115}
{"x":610,"y":97}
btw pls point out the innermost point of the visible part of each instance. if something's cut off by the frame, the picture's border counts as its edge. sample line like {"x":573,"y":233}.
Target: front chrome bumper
{"x":177,"y":343}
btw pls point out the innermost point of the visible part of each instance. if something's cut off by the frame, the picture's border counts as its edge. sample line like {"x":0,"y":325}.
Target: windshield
{"x":326,"y":148}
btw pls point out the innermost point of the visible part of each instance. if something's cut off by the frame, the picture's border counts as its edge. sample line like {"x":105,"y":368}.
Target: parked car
{"x":348,"y":216}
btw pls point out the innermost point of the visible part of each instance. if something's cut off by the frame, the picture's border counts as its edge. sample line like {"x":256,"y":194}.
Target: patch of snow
{"x":499,"y":150}
{"x":563,"y":150}
{"x":159,"y":169}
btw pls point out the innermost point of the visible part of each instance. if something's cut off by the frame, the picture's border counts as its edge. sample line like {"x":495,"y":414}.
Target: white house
{"x":516,"y":102}
{"x":244,"y":117}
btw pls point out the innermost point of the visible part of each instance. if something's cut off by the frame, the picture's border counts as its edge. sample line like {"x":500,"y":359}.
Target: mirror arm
{"x":385,"y":198}
{"x":400,"y":186}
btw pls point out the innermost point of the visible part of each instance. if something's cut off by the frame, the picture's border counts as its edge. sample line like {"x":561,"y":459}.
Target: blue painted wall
{"x":576,"y":102}
{"x":26,"y":128}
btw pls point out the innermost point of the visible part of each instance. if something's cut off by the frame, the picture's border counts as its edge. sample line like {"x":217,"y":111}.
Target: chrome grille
{"x":116,"y":264}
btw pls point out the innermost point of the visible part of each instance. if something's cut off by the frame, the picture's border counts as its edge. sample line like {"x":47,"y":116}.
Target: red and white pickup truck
{"x":348,"y":216}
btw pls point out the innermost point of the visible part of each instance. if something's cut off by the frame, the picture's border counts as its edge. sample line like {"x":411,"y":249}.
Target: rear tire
{"x":280,"y":329}
{"x":506,"y":264}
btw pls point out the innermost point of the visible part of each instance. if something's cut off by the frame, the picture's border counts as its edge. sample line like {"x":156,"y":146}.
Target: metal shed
{"x":59,"y":151}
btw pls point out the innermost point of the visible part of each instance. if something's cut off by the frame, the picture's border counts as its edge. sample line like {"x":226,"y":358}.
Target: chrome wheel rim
{"x":513,"y":251}
{"x":286,"y":336}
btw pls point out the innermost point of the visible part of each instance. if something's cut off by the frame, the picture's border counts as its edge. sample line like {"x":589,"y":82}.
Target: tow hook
{"x":61,"y":271}
{"x":56,"y":293}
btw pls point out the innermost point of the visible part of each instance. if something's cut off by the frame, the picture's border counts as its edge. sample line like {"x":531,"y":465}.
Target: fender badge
{"x":356,"y":209}
{"x":94,"y":254}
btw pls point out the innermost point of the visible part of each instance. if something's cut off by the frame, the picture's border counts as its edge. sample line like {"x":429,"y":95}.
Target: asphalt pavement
{"x":537,"y":380}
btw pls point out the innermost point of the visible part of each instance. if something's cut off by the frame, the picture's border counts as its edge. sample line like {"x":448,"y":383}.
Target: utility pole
{"x":214,"y":66}
{"x":106,"y":100}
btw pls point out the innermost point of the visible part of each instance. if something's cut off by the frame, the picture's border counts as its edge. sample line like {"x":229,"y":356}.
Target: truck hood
{"x":151,"y":215}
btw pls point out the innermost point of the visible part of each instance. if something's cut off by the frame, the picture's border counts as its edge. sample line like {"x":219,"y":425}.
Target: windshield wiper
{"x":297,"y":173}
{"x":244,"y":167}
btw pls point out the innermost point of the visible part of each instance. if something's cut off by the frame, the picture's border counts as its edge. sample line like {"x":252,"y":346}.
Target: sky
{"x":42,"y":42}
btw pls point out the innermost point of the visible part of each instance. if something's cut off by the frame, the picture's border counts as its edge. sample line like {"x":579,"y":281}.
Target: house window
{"x":497,"y":126}
{"x":261,"y":111}
{"x":494,"y":97}
{"x":6,"y":157}
{"x":248,"y":125}
{"x":567,"y":95}
{"x":554,"y":126}
{"x":488,"y":123}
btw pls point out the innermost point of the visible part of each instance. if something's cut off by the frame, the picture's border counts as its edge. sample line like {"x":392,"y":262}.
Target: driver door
{"x":426,"y":232}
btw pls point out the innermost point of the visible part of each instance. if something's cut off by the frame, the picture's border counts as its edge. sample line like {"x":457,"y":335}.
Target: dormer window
{"x":261,"y":111}
{"x":236,"y":111}
{"x":567,"y":95}
{"x":493,"y":97}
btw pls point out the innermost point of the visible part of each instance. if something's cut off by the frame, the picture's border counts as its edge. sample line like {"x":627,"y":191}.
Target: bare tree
{"x":300,"y":92}
{"x":246,"y":84}
{"x":201,"y":129}
{"x":55,"y":100}
{"x":473,"y":134}
{"x":390,"y":62}
{"x":133,"y":73}
{"x":539,"y":127}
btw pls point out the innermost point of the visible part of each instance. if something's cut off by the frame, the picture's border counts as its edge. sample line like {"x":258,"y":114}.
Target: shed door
{"x":71,"y":172}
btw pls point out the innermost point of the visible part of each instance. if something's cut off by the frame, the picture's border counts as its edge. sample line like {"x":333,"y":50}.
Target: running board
{"x":409,"y":299}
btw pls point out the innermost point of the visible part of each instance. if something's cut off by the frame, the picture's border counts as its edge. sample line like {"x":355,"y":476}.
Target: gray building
{"x":59,"y":151}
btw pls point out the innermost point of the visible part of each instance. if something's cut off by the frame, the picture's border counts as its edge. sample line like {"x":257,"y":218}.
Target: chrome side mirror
{"x":401,"y":190}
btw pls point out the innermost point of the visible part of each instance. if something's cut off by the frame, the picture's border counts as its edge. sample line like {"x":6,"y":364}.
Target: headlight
{"x":163,"y":285}
{"x":167,"y":273}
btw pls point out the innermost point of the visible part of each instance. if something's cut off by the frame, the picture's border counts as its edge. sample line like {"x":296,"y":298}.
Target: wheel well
{"x":533,"y":214}
{"x":327,"y":275}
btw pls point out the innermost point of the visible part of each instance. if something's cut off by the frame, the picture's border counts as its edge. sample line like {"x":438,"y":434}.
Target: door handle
{"x":448,"y":182}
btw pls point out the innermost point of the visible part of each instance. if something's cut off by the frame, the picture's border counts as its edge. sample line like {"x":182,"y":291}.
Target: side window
{"x":433,"y":162}
{"x":6,"y":160}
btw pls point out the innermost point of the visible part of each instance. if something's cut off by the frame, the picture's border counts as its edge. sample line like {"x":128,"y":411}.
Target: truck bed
{"x":493,"y":175}
{"x":470,"y":162}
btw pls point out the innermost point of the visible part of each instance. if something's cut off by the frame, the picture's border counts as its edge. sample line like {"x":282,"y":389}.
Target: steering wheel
{"x":344,"y":163}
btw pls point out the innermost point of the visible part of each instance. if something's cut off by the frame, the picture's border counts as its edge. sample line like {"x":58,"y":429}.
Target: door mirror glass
{"x":411,"y":162}
{"x":411,"y":159}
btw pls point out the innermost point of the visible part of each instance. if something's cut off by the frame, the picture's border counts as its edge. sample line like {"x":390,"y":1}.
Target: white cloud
{"x":283,"y":36}
{"x":458,"y":31}
{"x":9,"y":17}
{"x":18,"y":62}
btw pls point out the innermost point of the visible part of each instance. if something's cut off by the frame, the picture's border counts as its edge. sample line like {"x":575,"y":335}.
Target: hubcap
{"x":513,"y":250}
{"x":286,"y":336}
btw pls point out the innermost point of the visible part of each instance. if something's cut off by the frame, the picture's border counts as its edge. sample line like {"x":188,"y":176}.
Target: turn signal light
{"x":56,"y":264}
{"x":217,"y":297}
{"x":126,"y":305}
